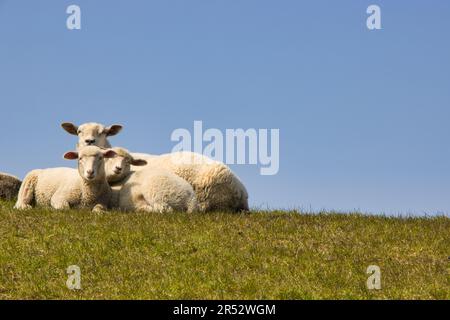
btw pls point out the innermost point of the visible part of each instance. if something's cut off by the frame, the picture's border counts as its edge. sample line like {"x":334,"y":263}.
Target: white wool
{"x":64,"y":188}
{"x":151,"y":189}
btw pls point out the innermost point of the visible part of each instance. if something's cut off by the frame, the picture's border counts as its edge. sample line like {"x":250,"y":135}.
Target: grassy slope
{"x":221,"y":256}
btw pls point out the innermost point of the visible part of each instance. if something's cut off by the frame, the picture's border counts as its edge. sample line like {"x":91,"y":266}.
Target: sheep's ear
{"x":71,"y":155}
{"x":138,"y":162}
{"x":113,"y":130}
{"x":70,"y":128}
{"x":109,"y":153}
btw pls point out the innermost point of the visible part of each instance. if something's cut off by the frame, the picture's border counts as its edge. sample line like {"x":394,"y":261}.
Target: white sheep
{"x":151,"y":189}
{"x":9,"y":186}
{"x":215,"y":185}
{"x":92,"y":133}
{"x":64,"y":188}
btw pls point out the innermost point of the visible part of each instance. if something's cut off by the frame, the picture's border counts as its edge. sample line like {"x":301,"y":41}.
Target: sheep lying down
{"x":151,"y":189}
{"x":64,"y":188}
{"x":9,"y":186}
{"x":215,"y":185}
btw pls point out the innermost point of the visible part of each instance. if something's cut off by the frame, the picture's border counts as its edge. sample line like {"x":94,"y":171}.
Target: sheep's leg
{"x":26,"y":192}
{"x":147,"y":202}
{"x":192,"y":205}
{"x":159,"y":208}
{"x":59,"y":203}
{"x":99,"y":208}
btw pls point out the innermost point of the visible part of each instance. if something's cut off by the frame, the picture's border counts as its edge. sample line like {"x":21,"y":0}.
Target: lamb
{"x":92,"y":133}
{"x":215,"y":185}
{"x":9,"y":186}
{"x":64,"y":188}
{"x":151,"y":189}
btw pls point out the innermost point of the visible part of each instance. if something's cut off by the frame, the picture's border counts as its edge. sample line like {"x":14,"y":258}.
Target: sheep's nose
{"x":89,"y":141}
{"x":89,"y":172}
{"x":118,"y":168}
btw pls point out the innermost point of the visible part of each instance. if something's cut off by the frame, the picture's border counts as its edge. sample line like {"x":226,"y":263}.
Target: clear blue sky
{"x":364,"y":116}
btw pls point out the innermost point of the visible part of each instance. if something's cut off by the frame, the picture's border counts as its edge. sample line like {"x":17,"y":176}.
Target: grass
{"x":276,"y":255}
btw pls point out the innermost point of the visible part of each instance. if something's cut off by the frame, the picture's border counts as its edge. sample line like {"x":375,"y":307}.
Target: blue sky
{"x":363,"y":115}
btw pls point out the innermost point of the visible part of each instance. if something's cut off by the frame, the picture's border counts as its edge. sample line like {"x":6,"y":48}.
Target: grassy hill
{"x":276,"y":255}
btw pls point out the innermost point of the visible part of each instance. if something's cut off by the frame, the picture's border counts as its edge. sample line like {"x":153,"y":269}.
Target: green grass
{"x":276,"y":255}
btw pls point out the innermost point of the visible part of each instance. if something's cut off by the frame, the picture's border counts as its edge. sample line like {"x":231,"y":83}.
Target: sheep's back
{"x":51,"y":180}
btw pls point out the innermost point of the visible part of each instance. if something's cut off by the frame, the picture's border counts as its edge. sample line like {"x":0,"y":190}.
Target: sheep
{"x":151,"y":189}
{"x":119,"y":168}
{"x":64,"y":188}
{"x":92,"y":133}
{"x":9,"y":186}
{"x":215,"y":185}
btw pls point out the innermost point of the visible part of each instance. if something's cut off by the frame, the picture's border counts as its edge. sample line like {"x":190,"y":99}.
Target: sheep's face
{"x":92,"y":134}
{"x":91,"y":164}
{"x":119,"y":167}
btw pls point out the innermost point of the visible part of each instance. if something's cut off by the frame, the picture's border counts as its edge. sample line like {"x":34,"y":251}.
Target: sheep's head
{"x":92,"y":134}
{"x":119,"y":167}
{"x":91,"y":161}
